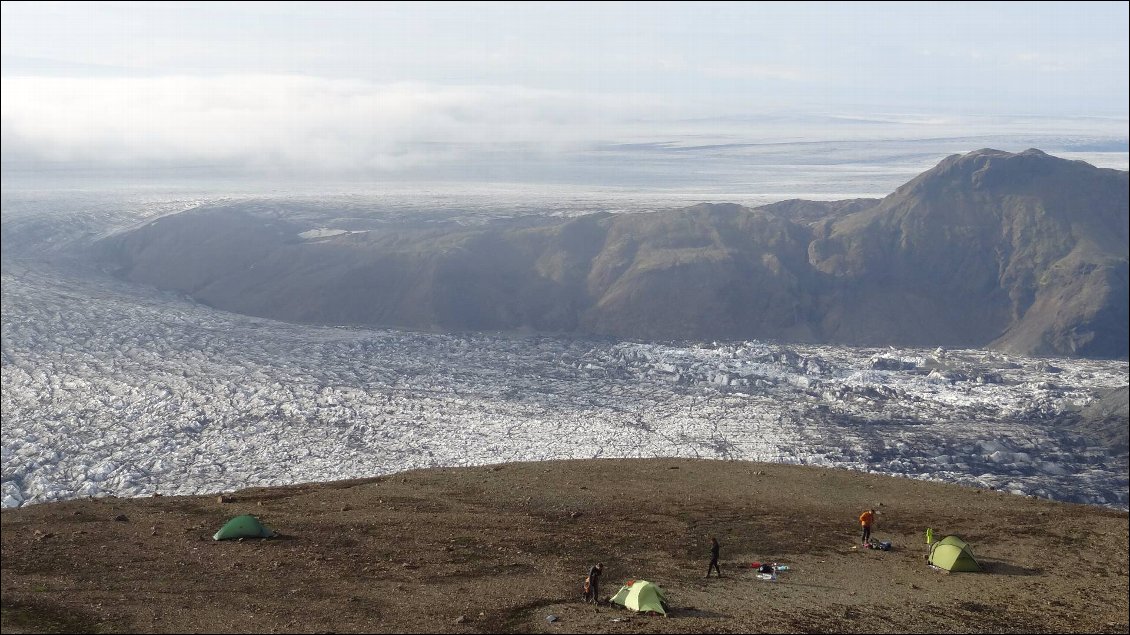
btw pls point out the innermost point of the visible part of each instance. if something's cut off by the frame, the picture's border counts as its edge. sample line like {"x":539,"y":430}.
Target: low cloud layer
{"x":288,"y":122}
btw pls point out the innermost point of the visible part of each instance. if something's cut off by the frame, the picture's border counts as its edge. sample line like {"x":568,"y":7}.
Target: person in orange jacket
{"x":866,"y":519}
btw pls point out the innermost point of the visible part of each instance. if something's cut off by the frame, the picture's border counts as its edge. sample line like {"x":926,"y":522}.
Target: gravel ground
{"x":501,"y":548}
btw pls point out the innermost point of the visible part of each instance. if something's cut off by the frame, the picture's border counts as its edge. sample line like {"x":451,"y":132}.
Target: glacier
{"x":116,"y":389}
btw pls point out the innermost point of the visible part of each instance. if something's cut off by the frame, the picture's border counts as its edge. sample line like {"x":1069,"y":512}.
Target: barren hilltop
{"x":501,"y":548}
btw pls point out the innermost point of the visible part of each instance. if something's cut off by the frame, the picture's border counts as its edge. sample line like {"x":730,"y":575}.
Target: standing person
{"x":594,"y":583}
{"x":714,"y":546}
{"x":866,"y":519}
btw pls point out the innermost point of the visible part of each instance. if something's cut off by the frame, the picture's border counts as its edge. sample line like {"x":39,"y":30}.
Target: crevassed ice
{"x":110,"y":388}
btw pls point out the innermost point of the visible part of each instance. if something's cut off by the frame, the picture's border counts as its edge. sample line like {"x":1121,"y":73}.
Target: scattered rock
{"x":551,"y":618}
{"x":121,"y":518}
{"x":574,"y":514}
{"x":225,"y":499}
{"x":346,"y":508}
{"x":196,"y":562}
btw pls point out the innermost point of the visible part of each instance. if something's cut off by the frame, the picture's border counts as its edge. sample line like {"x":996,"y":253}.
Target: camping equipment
{"x":641,"y":595}
{"x":246,"y":526}
{"x":952,"y":554}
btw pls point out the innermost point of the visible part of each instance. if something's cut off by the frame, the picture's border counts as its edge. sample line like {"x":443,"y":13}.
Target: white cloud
{"x":749,"y":70}
{"x":292,"y":122}
{"x":345,"y":127}
{"x":1043,"y":62}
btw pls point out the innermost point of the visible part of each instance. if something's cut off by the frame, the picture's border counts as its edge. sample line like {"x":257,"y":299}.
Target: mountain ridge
{"x":1024,"y":252}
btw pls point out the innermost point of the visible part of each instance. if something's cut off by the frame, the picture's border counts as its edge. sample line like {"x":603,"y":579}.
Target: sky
{"x":388,"y":88}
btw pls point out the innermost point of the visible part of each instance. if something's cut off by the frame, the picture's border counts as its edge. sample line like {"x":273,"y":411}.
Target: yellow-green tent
{"x":641,"y":595}
{"x":953,"y":554}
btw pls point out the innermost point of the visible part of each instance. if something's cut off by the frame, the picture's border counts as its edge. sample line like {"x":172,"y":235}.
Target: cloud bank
{"x":314,"y":126}
{"x":292,"y":122}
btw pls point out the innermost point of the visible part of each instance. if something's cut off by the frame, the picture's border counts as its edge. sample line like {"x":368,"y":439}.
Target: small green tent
{"x":641,"y":595}
{"x":952,"y":554}
{"x":246,"y":526}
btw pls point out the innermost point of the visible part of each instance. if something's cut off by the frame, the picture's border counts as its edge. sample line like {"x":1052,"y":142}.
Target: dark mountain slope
{"x":1026,"y":251}
{"x":709,"y":271}
{"x":1023,"y":252}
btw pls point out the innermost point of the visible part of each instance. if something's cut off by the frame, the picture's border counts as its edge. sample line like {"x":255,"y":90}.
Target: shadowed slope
{"x":1022,"y":252}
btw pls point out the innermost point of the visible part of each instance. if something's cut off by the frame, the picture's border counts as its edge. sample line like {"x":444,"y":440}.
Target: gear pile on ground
{"x":500,"y":548}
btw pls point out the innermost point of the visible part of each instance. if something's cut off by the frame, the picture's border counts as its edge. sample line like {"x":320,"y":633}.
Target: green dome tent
{"x":641,"y":595}
{"x":246,"y":526}
{"x":952,"y":554}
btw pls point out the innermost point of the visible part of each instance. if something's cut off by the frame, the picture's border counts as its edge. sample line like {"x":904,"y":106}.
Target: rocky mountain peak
{"x":991,"y":169}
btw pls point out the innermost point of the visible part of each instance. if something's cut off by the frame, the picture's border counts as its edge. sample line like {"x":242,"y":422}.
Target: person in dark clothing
{"x":593,"y":592}
{"x":714,"y":547}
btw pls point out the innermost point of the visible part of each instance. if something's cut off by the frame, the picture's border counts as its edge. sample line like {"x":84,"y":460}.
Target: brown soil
{"x":500,"y":548}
